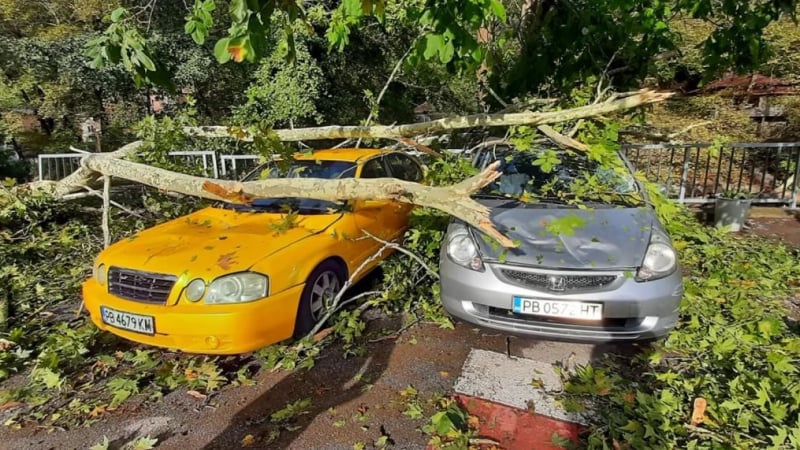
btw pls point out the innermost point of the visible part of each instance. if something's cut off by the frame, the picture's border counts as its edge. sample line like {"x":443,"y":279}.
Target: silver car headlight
{"x":237,"y":288}
{"x":660,"y":260}
{"x":462,"y":250}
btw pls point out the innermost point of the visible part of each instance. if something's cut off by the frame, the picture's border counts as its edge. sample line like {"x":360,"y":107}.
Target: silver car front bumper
{"x":632,"y":310}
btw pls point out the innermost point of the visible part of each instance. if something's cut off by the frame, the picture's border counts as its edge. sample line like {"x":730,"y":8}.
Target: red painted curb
{"x":515,"y":428}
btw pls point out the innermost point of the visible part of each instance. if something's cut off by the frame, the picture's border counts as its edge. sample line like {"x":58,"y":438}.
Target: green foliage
{"x":291,"y":411}
{"x":733,"y":347}
{"x":123,"y":42}
{"x":200,"y":20}
{"x":281,"y":94}
{"x":449,"y":426}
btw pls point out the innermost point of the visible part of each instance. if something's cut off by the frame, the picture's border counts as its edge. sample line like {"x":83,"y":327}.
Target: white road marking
{"x":496,"y":377}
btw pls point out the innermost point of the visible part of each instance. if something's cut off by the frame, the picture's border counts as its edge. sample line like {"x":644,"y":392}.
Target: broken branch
{"x":624,"y":101}
{"x":453,"y":200}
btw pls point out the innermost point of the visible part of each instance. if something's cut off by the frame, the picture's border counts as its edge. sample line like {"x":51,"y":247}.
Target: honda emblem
{"x":556,"y":283}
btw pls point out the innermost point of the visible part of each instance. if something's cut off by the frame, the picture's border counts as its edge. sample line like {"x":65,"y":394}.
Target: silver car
{"x":616,"y":278}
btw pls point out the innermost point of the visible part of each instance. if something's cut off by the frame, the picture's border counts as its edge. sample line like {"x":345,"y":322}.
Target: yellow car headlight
{"x":237,"y":288}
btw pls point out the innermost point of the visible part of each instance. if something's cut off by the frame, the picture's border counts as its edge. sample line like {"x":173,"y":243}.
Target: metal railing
{"x":56,"y":166}
{"x":208,"y":159}
{"x":236,"y":166}
{"x":697,"y":173}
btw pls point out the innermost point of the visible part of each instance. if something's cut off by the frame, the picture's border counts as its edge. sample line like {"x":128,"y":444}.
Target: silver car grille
{"x":145,"y":287}
{"x":557,"y":282}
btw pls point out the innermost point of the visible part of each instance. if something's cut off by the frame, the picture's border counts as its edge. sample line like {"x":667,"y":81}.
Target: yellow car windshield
{"x":299,"y":169}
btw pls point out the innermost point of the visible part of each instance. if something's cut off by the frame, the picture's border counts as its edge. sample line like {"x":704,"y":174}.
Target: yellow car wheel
{"x":321,"y":288}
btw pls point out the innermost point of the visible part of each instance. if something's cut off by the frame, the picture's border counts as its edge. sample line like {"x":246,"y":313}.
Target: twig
{"x":483,"y":441}
{"x":423,"y":148}
{"x":106,"y":209}
{"x":502,"y":102}
{"x":403,"y":250}
{"x":343,"y":143}
{"x":92,"y":192}
{"x":687,"y":129}
{"x":395,"y":334}
{"x":561,"y":139}
{"x":386,"y":87}
{"x":335,"y":306}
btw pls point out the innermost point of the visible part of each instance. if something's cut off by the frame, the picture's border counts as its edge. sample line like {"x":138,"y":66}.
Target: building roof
{"x":755,"y":85}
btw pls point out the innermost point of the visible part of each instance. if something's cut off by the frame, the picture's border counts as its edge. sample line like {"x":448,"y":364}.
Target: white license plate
{"x":560,"y":309}
{"x":128,"y":321}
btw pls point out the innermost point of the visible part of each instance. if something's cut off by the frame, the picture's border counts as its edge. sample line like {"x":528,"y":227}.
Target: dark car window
{"x":520,"y":175}
{"x":303,"y":168}
{"x":299,"y":169}
{"x":403,"y":167}
{"x":374,"y":169}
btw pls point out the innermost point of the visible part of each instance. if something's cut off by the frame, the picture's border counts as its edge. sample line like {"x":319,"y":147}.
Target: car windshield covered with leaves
{"x":565,"y":175}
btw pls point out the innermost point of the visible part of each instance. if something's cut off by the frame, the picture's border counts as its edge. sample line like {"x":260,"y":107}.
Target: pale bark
{"x":561,"y":139}
{"x":632,"y":100}
{"x":454,"y":200}
{"x":83,"y":176}
{"x":106,"y":210}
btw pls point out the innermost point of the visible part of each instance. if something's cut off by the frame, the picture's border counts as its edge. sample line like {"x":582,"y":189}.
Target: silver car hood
{"x":613,"y":238}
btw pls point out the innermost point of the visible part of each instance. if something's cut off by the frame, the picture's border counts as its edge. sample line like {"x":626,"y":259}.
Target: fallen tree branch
{"x":616,"y":103}
{"x":83,"y":176}
{"x":454,"y":200}
{"x":562,"y":139}
{"x":106,"y":210}
{"x":423,"y":148}
{"x":547,"y":130}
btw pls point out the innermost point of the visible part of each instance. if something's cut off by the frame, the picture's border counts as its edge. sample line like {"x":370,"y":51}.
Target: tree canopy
{"x":300,"y":64}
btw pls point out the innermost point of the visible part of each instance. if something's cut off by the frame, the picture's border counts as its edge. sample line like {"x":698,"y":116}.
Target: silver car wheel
{"x":324,"y":290}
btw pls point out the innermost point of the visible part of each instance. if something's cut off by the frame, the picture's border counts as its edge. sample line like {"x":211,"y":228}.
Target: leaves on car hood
{"x":570,"y":238}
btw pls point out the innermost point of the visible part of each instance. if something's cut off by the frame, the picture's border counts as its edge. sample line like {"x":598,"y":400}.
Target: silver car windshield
{"x":521,"y":176}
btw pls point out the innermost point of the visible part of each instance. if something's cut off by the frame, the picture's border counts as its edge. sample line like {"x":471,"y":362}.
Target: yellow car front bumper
{"x":200,"y":328}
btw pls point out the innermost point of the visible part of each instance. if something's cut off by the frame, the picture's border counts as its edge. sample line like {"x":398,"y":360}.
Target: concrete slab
{"x":521,"y":383}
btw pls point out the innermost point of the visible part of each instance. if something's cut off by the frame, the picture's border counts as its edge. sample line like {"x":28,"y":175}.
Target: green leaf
{"x":352,"y":8}
{"x":143,"y":443}
{"x":433,"y":45}
{"x":146,"y":61}
{"x":446,"y":52}
{"x":239,"y":10}
{"x":498,"y":9}
{"x":221,"y":50}
{"x":565,"y":225}
{"x":117,"y":14}
{"x":101,"y":446}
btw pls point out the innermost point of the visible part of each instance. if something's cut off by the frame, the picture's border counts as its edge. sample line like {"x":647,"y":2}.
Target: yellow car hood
{"x":212,"y":241}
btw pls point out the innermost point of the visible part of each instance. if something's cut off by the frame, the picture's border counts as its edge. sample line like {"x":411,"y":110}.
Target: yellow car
{"x":232,"y":279}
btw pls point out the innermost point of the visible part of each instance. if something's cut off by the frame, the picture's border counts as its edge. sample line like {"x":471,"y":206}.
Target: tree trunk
{"x":454,"y":200}
{"x":638,"y":98}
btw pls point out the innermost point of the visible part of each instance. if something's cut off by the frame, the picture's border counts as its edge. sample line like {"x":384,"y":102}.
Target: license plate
{"x":560,"y":309}
{"x":128,"y":321}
